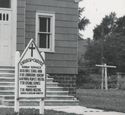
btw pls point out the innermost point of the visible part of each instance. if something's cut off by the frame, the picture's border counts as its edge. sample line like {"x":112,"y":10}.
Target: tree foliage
{"x":110,"y":35}
{"x":106,"y":27}
{"x":108,"y":46}
{"x":83,"y":21}
{"x":120,"y":25}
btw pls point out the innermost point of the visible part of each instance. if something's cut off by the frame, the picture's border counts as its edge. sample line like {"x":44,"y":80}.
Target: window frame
{"x":52,"y":30}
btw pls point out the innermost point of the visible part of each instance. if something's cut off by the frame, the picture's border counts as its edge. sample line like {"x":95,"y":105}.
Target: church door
{"x":5,"y":37}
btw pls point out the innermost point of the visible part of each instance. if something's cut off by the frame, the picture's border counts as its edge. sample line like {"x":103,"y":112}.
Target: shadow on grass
{"x":6,"y":111}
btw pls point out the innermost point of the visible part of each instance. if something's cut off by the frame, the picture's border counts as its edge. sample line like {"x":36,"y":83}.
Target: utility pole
{"x":102,"y":56}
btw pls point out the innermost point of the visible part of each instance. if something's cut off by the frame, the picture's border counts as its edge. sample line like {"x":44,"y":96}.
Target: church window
{"x":45,"y":31}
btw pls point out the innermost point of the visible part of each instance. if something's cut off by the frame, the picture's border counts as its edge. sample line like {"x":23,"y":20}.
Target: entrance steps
{"x":55,"y":95}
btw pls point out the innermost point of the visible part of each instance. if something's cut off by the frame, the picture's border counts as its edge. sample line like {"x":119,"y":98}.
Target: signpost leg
{"x":42,"y":100}
{"x":16,"y":103}
{"x":102,"y":85}
{"x":106,"y":80}
{"x":16,"y":108}
{"x":41,"y":110}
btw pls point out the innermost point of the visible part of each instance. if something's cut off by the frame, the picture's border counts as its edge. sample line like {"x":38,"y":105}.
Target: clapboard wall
{"x":21,"y":6}
{"x":64,"y":59}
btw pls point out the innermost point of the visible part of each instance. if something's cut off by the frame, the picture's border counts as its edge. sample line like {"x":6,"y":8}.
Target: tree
{"x":106,"y":27}
{"x":108,"y":44}
{"x":113,"y":43}
{"x":83,"y":21}
{"x":120,"y":25}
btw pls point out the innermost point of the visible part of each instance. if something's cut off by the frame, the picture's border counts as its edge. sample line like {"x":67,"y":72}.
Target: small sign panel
{"x":31,"y":73}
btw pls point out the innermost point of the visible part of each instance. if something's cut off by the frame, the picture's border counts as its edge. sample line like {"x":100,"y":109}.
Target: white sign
{"x":31,"y":75}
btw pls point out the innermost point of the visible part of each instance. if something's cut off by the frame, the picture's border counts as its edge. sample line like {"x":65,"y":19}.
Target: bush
{"x":93,"y":81}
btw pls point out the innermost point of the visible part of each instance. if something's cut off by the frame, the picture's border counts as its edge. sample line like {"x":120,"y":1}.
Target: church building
{"x":53,"y":26}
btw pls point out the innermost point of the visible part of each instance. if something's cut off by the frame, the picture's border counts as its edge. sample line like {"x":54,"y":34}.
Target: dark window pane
{"x":42,"y":24}
{"x":48,"y":41}
{"x":7,"y":17}
{"x":5,"y":3}
{"x":42,"y":40}
{"x":3,"y":16}
{"x":0,"y":16}
{"x":48,"y":24}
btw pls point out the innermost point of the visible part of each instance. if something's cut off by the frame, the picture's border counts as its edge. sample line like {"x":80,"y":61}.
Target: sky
{"x":95,"y":10}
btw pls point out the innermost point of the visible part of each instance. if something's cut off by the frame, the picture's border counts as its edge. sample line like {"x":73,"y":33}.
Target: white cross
{"x":104,"y":74}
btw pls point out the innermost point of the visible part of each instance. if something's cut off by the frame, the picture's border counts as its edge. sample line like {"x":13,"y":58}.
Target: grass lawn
{"x":106,"y":100}
{"x":112,"y":100}
{"x":6,"y":111}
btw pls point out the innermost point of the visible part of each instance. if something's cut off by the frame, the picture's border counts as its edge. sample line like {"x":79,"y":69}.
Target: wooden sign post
{"x":104,"y":74}
{"x":30,"y":76}
{"x":16,"y":101}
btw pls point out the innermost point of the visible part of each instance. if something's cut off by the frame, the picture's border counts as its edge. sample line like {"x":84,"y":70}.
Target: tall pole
{"x":102,"y":57}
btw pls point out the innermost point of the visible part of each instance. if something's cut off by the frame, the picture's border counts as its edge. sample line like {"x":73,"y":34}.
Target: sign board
{"x":31,"y":73}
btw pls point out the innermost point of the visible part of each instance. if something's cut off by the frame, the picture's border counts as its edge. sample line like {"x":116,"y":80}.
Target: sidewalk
{"x":82,"y":110}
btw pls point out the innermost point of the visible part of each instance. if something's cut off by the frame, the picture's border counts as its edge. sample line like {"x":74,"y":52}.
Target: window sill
{"x":46,"y":50}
